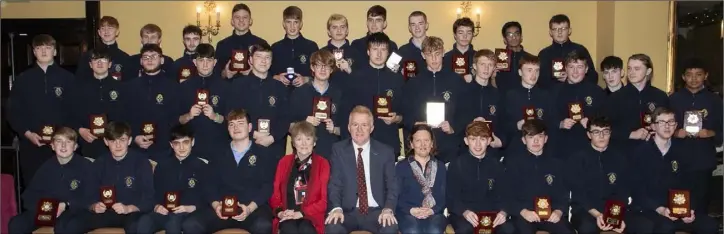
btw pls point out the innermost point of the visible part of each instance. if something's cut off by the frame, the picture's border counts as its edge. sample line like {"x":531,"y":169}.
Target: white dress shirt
{"x":366,"y":161}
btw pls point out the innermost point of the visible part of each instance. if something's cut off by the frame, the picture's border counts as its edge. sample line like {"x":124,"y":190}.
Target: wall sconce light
{"x":464,"y":11}
{"x":209,"y":30}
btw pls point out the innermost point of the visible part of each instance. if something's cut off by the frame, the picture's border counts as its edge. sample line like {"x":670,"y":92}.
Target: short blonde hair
{"x":432,"y":43}
{"x":66,"y":132}
{"x":484,"y":53}
{"x":362,"y":110}
{"x":303,"y":128}
{"x":336,"y":17}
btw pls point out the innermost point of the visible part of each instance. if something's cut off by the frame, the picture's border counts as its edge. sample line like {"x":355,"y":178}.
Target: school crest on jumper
{"x":446,"y":95}
{"x":113,"y":94}
{"x":492,"y":110}
{"x":252,"y":160}
{"x":539,"y":112}
{"x":74,"y":184}
{"x":674,"y":166}
{"x":390,"y":93}
{"x":118,"y":67}
{"x":303,"y":59}
{"x":215,"y":100}
{"x":159,"y":98}
{"x":652,"y":106}
{"x":589,"y":101}
{"x":334,"y":108}
{"x":549,"y":179}
{"x":129,"y":181}
{"x":272,"y":101}
{"x":612,"y":178}
{"x":192,"y":182}
{"x":491,"y":182}
{"x":58,"y":91}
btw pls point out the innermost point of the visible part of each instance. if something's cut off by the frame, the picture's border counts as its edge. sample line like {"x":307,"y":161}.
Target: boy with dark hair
{"x":108,"y":31}
{"x":538,"y":190}
{"x":551,"y":64}
{"x":598,"y":174}
{"x":61,"y":179}
{"x":241,"y":39}
{"x":242,"y":173}
{"x":124,"y":181}
{"x":205,"y":94}
{"x":372,"y":82}
{"x":411,"y":52}
{"x":179,"y":185}
{"x":512,"y":37}
{"x":38,"y":103}
{"x":266,"y":101}
{"x":184,"y":67}
{"x":440,"y":85}
{"x":460,"y":58}
{"x":152,"y":104}
{"x":577,"y":102}
{"x":376,"y":22}
{"x":97,"y":102}
{"x":700,"y":113}
{"x":663,"y":165}
{"x":150,"y":34}
{"x":468,"y":195}
{"x":612,"y":68}
{"x":296,"y":49}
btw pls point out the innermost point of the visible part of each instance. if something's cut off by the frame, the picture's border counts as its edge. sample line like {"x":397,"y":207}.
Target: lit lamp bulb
{"x":477,"y":14}
{"x":218,"y":16}
{"x":459,"y":12}
{"x":198,"y":14}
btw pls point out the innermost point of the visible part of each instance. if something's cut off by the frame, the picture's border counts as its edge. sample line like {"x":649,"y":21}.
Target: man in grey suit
{"x":362,"y":189}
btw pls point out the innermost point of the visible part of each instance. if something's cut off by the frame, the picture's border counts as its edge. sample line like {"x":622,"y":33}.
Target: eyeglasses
{"x":149,"y":57}
{"x":604,"y":132}
{"x":559,"y":29}
{"x":322,"y":67}
{"x":512,"y":34}
{"x":669,"y":122}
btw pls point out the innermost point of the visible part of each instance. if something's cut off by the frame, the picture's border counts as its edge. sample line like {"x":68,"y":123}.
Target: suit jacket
{"x":342,"y":188}
{"x":314,"y":206}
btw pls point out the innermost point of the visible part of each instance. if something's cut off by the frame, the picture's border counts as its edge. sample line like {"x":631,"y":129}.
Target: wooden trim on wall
{"x":92,"y":16}
{"x":671,"y":48}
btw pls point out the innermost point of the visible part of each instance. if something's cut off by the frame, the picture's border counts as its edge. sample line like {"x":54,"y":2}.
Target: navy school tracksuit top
{"x":476,"y":184}
{"x":625,"y":107}
{"x":206,"y":130}
{"x":301,"y":105}
{"x":187,"y":178}
{"x":596,"y":177}
{"x":131,"y":178}
{"x":709,"y":104}
{"x":64,"y":183}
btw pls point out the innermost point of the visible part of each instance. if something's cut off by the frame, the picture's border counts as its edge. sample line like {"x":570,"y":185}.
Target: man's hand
{"x":282,"y":77}
{"x":689,"y":219}
{"x":61,"y":208}
{"x":194,"y":111}
{"x":313,"y":120}
{"x":389,"y":120}
{"x":208,"y":111}
{"x":184,"y":209}
{"x":468,"y":78}
{"x":471,"y":217}
{"x":555,"y":216}
{"x":99,"y":208}
{"x":87,"y":135}
{"x":500,"y":219}
{"x":258,"y":135}
{"x":663,"y":211}
{"x":584,"y":123}
{"x":119,"y":208}
{"x":329,"y":125}
{"x":299,"y":80}
{"x":343,"y":65}
{"x":640,"y":134}
{"x":217,"y":208}
{"x":602,"y":225}
{"x":334,"y":217}
{"x":529,"y":216}
{"x":567,"y":123}
{"x":143,"y":142}
{"x":681,"y":133}
{"x":620,"y":229}
{"x":226,"y":73}
{"x":245,"y":211}
{"x":161,"y":210}
{"x":520,"y":124}
{"x":386,"y":218}
{"x":446,"y":128}
{"x":34,"y":138}
{"x":265,"y":141}
{"x":705,"y":133}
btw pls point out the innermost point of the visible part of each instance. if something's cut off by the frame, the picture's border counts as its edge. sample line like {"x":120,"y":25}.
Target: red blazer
{"x":315,"y":204}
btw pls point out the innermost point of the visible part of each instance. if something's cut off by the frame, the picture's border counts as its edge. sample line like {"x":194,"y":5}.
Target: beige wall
{"x":43,"y":9}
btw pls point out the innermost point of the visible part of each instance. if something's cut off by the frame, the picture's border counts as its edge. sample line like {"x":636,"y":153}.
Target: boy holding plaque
{"x":318,"y":103}
{"x":179,"y":181}
{"x":205,"y":95}
{"x":239,"y":185}
{"x":412,"y":51}
{"x":97,"y":102}
{"x":150,"y":35}
{"x":37,"y":104}
{"x":152,"y":104}
{"x":233,"y":51}
{"x":344,"y":54}
{"x":476,"y":186}
{"x":507,"y":79}
{"x":436,"y":86}
{"x":376,"y":23}
{"x":600,"y":183}
{"x":552,"y":58}
{"x":699,"y":112}
{"x":120,"y":187}
{"x":266,"y":101}
{"x":184,"y":67}
{"x":297,"y":51}
{"x":460,"y":59}
{"x":576,"y":102}
{"x":538,"y":186}
{"x":55,"y":192}
{"x":378,"y":88}
{"x":663,"y":199}
{"x":108,"y":31}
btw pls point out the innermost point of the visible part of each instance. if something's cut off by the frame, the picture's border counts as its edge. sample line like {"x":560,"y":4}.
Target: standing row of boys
{"x":119,"y":101}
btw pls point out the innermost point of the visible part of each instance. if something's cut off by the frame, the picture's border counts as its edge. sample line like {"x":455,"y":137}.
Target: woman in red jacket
{"x":299,"y":201}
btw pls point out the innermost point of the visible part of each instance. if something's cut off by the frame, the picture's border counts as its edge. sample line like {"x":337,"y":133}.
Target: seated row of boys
{"x":238,"y":189}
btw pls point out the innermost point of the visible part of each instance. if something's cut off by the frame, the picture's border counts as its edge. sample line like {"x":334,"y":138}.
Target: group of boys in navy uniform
{"x":546,"y":133}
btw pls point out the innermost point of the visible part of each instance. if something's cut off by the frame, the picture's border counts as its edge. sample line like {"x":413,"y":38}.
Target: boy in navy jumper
{"x":560,"y":32}
{"x":475,"y":183}
{"x":344,"y":54}
{"x":412,"y":51}
{"x":695,"y":97}
{"x":294,"y":51}
{"x":39,"y":101}
{"x":150,"y":34}
{"x":463,"y":31}
{"x":62,"y":178}
{"x":662,"y":164}
{"x":241,"y":39}
{"x":205,"y":117}
{"x":108,"y":31}
{"x":612,"y":69}
{"x":537,"y":182}
{"x":598,"y":174}
{"x":240,"y":172}
{"x":191,"y":36}
{"x":179,"y":181}
{"x":512,"y":37}
{"x":124,"y":178}
{"x":376,"y":23}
